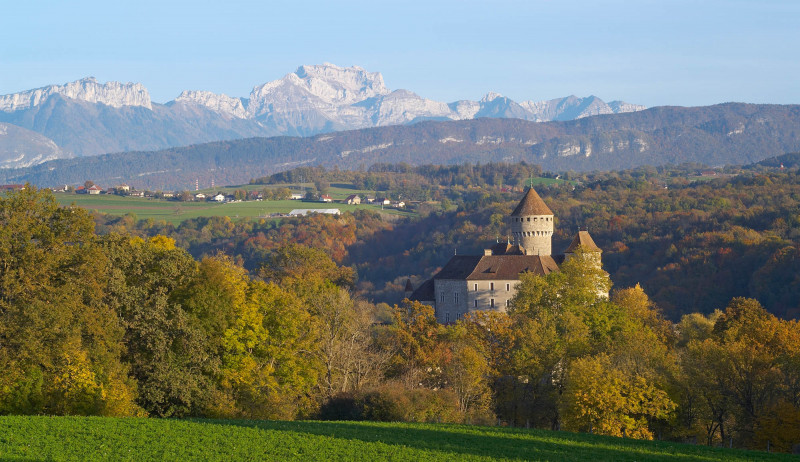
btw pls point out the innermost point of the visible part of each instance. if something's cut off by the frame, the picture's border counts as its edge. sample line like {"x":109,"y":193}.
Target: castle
{"x":489,"y":281}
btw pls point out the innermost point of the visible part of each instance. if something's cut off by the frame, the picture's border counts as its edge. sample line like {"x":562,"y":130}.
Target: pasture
{"x":176,"y":212}
{"x":142,"y":439}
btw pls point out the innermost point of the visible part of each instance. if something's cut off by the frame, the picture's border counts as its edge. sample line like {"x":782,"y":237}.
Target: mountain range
{"x":86,"y":117}
{"x":724,"y":134}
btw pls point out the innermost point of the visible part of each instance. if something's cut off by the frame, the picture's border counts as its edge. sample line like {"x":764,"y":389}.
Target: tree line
{"x":693,"y":244}
{"x":116,"y":324}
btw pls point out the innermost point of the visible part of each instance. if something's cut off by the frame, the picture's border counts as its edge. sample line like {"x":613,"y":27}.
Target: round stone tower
{"x":532,"y":224}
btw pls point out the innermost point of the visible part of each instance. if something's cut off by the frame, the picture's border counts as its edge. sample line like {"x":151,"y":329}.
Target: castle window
{"x":529,"y":218}
{"x":491,"y":286}
{"x":447,"y":317}
{"x":491,"y":302}
{"x":476,"y":287}
{"x":534,"y":219}
{"x":441,"y":297}
{"x":508,"y":287}
{"x":476,"y":303}
{"x":455,"y":297}
{"x":507,"y":303}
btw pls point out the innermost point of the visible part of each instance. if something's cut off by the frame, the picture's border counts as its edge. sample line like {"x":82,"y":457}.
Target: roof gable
{"x":424,"y":293}
{"x":584,"y":240}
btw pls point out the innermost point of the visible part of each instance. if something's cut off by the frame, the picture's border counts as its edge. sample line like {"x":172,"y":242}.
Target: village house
{"x":325,"y":198}
{"x":94,"y":189}
{"x":219,"y":197}
{"x":200,"y":197}
{"x":489,"y":282}
{"x":353,"y":199}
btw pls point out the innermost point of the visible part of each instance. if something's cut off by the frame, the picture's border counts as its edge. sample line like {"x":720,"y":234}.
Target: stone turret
{"x":584,"y":241}
{"x":532,"y":224}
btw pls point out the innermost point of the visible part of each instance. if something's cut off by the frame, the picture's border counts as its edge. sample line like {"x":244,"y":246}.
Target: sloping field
{"x":176,"y":212}
{"x":95,"y":438}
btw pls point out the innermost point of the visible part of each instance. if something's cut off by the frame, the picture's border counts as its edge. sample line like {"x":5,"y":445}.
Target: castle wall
{"x":490,"y":295}
{"x":451,"y":299}
{"x":534,"y":233}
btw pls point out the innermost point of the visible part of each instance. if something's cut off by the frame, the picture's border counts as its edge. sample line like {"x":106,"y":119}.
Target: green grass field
{"x":96,"y":438}
{"x":176,"y":212}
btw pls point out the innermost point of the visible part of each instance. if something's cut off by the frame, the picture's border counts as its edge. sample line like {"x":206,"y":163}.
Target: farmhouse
{"x":94,"y":189}
{"x":489,"y":281}
{"x":325,"y":198}
{"x":353,"y":199}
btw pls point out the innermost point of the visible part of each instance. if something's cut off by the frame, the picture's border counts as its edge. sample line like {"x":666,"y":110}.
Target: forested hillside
{"x":692,"y":243}
{"x":724,"y":134}
{"x":117,"y":325}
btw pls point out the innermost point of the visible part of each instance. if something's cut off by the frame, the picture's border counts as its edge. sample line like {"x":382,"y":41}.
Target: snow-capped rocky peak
{"x":113,"y":94}
{"x":341,"y":85}
{"x":323,"y":89}
{"x":220,"y":103}
{"x":622,"y":106}
{"x":491,"y":96}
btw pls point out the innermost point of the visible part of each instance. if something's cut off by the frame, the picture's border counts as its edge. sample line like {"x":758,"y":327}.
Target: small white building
{"x":297,"y":196}
{"x":219,"y":198}
{"x":200,"y":197}
{"x":304,"y":212}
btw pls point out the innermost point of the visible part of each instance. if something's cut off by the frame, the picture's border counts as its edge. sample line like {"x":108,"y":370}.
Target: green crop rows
{"x":97,"y":438}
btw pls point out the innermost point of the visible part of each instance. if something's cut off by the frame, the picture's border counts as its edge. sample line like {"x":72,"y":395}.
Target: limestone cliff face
{"x":114,"y":94}
{"x":20,"y":147}
{"x":220,"y":103}
{"x":572,"y":107}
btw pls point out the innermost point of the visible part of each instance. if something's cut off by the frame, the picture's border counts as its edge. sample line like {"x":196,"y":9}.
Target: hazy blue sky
{"x":693,"y":52}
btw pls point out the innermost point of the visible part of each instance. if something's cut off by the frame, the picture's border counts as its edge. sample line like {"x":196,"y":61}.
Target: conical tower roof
{"x":531,"y":204}
{"x":583,"y":239}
